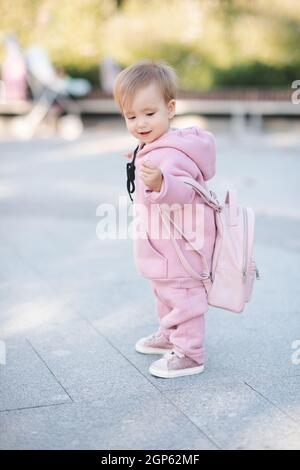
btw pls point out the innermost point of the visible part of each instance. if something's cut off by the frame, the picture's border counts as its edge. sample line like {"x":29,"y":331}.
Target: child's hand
{"x":151,"y":176}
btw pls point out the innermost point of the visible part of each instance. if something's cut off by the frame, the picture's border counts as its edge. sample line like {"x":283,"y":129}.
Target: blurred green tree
{"x":211,"y":43}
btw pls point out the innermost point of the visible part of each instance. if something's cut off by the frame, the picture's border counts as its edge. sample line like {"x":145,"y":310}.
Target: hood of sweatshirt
{"x":194,"y":142}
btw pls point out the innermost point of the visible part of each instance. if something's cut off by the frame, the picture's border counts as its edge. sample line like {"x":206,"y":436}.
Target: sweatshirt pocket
{"x":149,"y":262}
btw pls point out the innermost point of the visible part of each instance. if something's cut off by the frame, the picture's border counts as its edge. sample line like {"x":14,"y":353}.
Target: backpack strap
{"x":205,"y":278}
{"x":211,"y":200}
{"x":209,"y":196}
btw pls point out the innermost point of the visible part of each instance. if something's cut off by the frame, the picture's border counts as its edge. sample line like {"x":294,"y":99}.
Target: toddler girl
{"x":146,"y":95}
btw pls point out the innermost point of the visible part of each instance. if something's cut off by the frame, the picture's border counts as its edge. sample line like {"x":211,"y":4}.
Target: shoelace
{"x":156,"y":335}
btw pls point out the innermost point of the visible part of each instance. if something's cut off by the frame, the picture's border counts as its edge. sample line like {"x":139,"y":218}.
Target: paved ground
{"x":73,"y":306}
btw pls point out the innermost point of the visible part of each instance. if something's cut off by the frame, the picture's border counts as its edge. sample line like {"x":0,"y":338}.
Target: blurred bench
{"x":238,"y":105}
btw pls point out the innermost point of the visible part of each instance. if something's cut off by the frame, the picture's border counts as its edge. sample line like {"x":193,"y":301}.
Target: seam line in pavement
{"x":43,"y":361}
{"x":35,"y":406}
{"x":272,"y":403}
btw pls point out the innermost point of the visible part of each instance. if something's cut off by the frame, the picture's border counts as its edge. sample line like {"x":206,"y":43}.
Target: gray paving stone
{"x":27,"y":305}
{"x":26,"y":381}
{"x":141,"y":421}
{"x":86,"y":363}
{"x":283,"y":392}
{"x":56,"y":254}
{"x":112,"y":307}
{"x":27,"y":301}
{"x":236,"y":417}
{"x":12,"y":268}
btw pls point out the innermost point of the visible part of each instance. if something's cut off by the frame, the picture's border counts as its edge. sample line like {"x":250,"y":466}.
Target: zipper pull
{"x":244,"y":276}
{"x":257,"y":273}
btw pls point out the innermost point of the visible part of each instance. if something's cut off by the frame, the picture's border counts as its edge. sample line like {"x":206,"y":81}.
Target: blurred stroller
{"x":49,"y":88}
{"x":13,"y":71}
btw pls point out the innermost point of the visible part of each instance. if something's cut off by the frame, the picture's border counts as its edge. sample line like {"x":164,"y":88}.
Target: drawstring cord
{"x":130,"y":168}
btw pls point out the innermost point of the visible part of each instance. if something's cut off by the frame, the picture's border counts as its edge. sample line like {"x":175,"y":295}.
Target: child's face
{"x":149,"y":113}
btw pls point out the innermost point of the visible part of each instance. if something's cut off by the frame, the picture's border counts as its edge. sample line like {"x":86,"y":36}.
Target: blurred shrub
{"x":256,"y":74}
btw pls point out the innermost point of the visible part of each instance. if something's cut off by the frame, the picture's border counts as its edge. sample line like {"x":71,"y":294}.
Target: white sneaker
{"x":175,"y":365}
{"x":154,"y":344}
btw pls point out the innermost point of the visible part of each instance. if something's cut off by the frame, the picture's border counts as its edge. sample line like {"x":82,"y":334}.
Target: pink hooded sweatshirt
{"x":188,"y":152}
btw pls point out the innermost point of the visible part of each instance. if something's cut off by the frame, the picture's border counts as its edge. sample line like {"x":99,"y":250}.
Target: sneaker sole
{"x":176,"y":373}
{"x":147,"y":350}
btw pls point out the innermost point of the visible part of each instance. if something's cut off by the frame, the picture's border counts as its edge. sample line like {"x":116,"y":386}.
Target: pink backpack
{"x":230,"y":283}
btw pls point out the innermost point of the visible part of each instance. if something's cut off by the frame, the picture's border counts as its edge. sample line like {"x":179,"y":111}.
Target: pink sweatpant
{"x":181,"y":316}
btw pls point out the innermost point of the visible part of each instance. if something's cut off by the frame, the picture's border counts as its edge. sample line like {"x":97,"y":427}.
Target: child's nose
{"x":141,"y":123}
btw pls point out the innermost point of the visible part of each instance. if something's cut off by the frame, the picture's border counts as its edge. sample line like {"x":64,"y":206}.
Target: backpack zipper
{"x":257,"y":275}
{"x":245,"y":249}
{"x":245,"y":245}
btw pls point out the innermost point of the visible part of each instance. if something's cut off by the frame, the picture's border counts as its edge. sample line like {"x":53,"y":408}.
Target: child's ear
{"x":171,"y":108}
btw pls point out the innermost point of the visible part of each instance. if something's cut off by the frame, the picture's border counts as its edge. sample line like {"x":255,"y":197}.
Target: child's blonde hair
{"x":141,"y":74}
